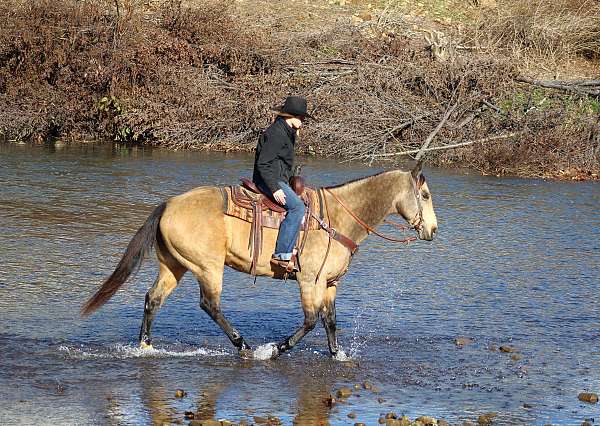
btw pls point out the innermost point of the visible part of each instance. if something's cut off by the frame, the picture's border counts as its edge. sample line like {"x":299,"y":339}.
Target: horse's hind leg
{"x":211,"y":285}
{"x":329,"y":320}
{"x":168,"y":276}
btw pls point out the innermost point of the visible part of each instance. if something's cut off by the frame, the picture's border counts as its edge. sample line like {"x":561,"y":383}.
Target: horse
{"x":191,"y":232}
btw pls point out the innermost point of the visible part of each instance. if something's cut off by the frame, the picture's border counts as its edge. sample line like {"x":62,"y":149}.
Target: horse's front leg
{"x":311,"y":296}
{"x":329,"y":321}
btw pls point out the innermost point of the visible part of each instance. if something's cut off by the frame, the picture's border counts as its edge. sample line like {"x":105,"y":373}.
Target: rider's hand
{"x":279,"y":197}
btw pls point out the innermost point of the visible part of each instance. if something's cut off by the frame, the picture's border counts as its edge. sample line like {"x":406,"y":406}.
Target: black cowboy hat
{"x":294,"y":106}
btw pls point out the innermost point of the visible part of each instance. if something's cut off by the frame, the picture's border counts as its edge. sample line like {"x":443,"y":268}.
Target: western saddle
{"x":248,"y":203}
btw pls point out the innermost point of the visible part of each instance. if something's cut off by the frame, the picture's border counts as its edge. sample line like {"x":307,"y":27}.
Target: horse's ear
{"x":416,"y":171}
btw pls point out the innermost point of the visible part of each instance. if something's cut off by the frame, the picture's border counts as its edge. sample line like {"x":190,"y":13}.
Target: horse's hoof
{"x":340,"y":355}
{"x":246,"y":354}
{"x":146,"y":346}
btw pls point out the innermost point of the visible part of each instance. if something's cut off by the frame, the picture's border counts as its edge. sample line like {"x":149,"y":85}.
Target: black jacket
{"x":274,"y":159}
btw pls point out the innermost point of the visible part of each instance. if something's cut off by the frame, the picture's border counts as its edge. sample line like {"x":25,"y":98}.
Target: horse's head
{"x":416,"y":207}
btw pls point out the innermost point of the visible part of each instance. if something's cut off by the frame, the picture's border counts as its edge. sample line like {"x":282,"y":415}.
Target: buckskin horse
{"x":192,"y":232}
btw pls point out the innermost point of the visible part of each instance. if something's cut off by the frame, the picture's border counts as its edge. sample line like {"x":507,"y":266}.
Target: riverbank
{"x":379,"y":76}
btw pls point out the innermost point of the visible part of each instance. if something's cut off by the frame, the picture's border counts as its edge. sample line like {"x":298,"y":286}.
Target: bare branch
{"x":435,"y":131}
{"x":586,"y":87}
{"x":456,"y":145}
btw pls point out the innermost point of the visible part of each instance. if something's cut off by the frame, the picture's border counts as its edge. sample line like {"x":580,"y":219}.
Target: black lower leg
{"x":217,"y":316}
{"x":309,"y":323}
{"x":149,"y":311}
{"x":329,"y":323}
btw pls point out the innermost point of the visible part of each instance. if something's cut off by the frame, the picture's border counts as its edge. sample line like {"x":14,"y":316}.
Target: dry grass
{"x":557,"y":28}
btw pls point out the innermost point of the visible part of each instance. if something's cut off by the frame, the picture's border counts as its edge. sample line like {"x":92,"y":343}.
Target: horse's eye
{"x":425,"y":195}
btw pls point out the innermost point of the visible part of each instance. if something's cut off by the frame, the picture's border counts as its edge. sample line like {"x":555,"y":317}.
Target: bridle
{"x":416,"y":223}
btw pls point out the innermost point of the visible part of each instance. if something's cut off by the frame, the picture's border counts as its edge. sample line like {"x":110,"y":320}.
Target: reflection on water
{"x":515,"y":263}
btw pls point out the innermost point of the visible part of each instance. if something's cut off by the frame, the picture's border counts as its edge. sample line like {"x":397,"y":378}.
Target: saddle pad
{"x":238,"y":203}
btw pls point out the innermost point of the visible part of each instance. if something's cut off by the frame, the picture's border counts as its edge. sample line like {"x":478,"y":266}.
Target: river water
{"x":515,"y":262}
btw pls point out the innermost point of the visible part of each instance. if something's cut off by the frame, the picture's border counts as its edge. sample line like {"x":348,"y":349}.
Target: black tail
{"x":138,"y":248}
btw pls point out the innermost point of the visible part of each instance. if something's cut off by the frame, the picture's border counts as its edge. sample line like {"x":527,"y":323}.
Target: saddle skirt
{"x":246,"y":205}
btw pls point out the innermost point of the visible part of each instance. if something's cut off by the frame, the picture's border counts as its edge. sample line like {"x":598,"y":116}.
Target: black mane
{"x":355,"y":180}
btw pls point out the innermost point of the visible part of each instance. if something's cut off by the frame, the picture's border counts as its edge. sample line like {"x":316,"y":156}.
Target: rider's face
{"x":296,"y":123}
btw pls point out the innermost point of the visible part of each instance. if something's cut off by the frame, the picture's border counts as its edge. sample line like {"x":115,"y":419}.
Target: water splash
{"x":131,"y":351}
{"x":342,"y":356}
{"x":266,"y":351}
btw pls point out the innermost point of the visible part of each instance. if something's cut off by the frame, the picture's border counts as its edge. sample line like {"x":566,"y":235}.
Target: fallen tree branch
{"x":492,"y":106}
{"x":435,"y":131}
{"x":456,"y":145}
{"x":327,"y":62}
{"x":403,"y":125}
{"x":587,"y":87}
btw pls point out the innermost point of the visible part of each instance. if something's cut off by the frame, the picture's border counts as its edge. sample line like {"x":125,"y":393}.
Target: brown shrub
{"x":100,"y":69}
{"x":202,"y":78}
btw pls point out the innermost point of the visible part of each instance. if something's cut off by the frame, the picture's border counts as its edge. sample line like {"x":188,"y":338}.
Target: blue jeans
{"x":290,"y":226}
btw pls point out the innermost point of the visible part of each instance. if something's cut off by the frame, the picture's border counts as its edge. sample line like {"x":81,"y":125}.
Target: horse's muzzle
{"x":427,"y":234}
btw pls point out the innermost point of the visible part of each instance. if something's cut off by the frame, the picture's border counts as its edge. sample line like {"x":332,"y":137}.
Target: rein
{"x":416,"y":222}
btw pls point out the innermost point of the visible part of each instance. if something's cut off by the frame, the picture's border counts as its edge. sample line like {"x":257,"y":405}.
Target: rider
{"x":273,"y":165}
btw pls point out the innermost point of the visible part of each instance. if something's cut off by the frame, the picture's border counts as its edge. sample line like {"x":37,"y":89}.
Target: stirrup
{"x":288,"y":265}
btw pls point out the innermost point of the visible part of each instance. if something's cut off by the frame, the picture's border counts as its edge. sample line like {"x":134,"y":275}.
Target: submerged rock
{"x":367,"y":385}
{"x":344,"y":392}
{"x":274,"y":421}
{"x":180,"y":393}
{"x":486,"y":419}
{"x":462,"y":341}
{"x":507,"y":349}
{"x":209,"y":422}
{"x":189,"y":415}
{"x":261,"y":420}
{"x":590,"y":397}
{"x":381,"y":420}
{"x":516,"y":357}
{"x":404,"y":421}
{"x":351,"y":415}
{"x":426,"y":420}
